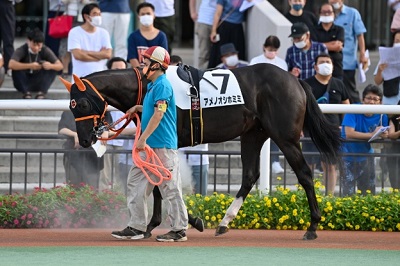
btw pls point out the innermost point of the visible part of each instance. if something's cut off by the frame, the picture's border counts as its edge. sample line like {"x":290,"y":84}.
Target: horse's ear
{"x":79,"y":83}
{"x":66,"y":83}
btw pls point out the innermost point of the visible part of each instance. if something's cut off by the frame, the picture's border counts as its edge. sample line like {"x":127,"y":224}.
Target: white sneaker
{"x":277,"y":168}
{"x":9,"y":73}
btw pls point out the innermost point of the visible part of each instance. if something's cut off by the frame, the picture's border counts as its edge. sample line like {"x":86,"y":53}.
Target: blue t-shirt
{"x":360,"y":123}
{"x":114,"y":6}
{"x":165,"y":135}
{"x":137,"y":44}
{"x":350,"y":19}
{"x":230,"y":11}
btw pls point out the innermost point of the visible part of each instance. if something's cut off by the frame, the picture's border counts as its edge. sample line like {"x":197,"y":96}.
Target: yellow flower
{"x":191,"y":202}
{"x":293,"y":198}
{"x":207,"y":217}
{"x":322,"y":218}
{"x":373,"y":228}
{"x":284,"y":227}
{"x":274,"y":200}
{"x":295,"y":212}
{"x":219,"y":216}
{"x":301,"y":221}
{"x":213,"y":218}
{"x":206,"y":199}
{"x":372,"y":218}
{"x":357,"y":227}
{"x":190,"y":212}
{"x":257,"y":225}
{"x":265,"y":220}
{"x":278,"y":178}
{"x":339,"y":212}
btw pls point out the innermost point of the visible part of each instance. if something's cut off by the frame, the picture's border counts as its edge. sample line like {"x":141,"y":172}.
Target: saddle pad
{"x":219,"y":87}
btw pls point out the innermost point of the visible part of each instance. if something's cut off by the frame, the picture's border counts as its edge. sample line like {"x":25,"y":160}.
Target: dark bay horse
{"x":277,"y":106}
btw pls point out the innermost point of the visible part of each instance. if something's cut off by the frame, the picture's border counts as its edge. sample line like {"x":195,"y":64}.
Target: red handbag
{"x":59,"y":26}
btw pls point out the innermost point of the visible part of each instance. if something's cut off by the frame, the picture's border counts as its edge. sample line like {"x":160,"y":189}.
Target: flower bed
{"x":63,"y":207}
{"x":288,"y":210}
{"x":71,"y":207}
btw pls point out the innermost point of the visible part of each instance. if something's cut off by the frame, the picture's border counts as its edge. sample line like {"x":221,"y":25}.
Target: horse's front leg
{"x":251,"y":145}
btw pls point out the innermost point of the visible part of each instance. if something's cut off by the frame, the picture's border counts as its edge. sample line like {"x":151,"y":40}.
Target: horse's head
{"x":88,"y":107}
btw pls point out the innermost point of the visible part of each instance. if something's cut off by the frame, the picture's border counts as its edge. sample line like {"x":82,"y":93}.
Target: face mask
{"x":270,"y":54}
{"x":297,"y":7}
{"x":337,"y":5}
{"x":325,"y":69}
{"x":96,"y":21}
{"x":232,"y":60}
{"x":300,"y":44}
{"x":326,"y":19}
{"x":396,"y":44}
{"x":146,"y":20}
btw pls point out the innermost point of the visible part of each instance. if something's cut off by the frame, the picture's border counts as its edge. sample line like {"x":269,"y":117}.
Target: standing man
{"x":329,"y":90}
{"x":298,"y":14}
{"x":301,"y":56}
{"x":165,"y":18}
{"x":203,"y":25}
{"x":159,"y":122}
{"x":116,"y":17}
{"x":7,"y":29}
{"x":89,"y":44}
{"x":350,"y":19}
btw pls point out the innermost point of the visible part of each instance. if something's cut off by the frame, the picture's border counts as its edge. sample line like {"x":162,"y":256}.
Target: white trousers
{"x":117,"y":25}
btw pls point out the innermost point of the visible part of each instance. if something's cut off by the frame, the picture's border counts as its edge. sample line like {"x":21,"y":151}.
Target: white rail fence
{"x":62,"y":105}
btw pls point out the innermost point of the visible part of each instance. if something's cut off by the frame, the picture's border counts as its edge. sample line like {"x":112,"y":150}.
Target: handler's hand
{"x":140,"y":144}
{"x":134,"y":109}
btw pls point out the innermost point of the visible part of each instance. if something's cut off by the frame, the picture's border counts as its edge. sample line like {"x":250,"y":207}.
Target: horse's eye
{"x":84,"y":106}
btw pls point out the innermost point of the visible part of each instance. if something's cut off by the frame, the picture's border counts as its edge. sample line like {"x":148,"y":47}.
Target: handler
{"x":159,"y":122}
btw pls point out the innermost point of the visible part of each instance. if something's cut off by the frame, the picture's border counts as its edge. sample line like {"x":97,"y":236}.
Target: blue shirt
{"x":304,"y":59}
{"x":350,"y":19}
{"x":360,"y":123}
{"x":114,"y":6}
{"x":230,"y":11}
{"x":137,"y":44}
{"x":165,"y":135}
{"x":207,"y":11}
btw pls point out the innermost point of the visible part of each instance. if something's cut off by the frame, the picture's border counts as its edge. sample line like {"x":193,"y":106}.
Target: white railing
{"x":62,"y":105}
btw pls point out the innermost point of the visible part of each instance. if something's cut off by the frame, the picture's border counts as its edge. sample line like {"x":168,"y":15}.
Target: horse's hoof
{"x":147,"y":235}
{"x":310,"y":235}
{"x":221,"y":230}
{"x":198,"y":224}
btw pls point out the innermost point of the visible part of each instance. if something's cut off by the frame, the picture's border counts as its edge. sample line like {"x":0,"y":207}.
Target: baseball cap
{"x":298,"y":29}
{"x":228,"y":48}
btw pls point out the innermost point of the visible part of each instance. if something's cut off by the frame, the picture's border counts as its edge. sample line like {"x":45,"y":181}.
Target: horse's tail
{"x":324,"y":134}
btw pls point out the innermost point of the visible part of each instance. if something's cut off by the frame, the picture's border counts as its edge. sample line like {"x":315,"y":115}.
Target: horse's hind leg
{"x":251,"y":144}
{"x":296,"y":160}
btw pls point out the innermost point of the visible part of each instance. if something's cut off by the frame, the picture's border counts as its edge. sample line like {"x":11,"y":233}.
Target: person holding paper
{"x":81,"y":166}
{"x":391,"y":93}
{"x":360,"y":170}
{"x":350,"y":19}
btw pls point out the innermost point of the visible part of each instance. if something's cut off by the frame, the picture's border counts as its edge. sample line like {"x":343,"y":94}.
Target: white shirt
{"x":194,"y":159}
{"x":78,"y":38}
{"x":163,"y":8}
{"x":206,"y":12}
{"x":279,"y":62}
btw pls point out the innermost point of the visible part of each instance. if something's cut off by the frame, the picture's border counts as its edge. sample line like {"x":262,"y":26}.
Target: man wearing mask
{"x":332,"y":36}
{"x":146,"y":36}
{"x":301,"y":56}
{"x":350,"y":19}
{"x":298,"y":14}
{"x":89,"y":44}
{"x":229,"y":57}
{"x":327,"y":90}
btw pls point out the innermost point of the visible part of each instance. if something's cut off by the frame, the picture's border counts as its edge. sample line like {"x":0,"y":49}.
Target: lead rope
{"x":151,"y":163}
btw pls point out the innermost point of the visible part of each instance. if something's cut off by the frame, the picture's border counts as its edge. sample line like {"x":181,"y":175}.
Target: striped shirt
{"x":304,"y":59}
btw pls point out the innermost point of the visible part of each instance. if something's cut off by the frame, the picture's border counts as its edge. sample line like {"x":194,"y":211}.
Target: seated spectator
{"x":332,"y":36}
{"x":81,"y":166}
{"x":34,"y":66}
{"x":270,"y":50}
{"x":391,"y":93}
{"x":301,"y":56}
{"x":229,"y":57}
{"x":146,"y":36}
{"x":2,"y":70}
{"x":298,"y":14}
{"x":360,"y":170}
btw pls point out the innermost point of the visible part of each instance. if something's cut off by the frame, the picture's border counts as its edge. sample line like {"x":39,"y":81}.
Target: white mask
{"x":232,"y":60}
{"x":146,"y":20}
{"x":270,"y":54}
{"x":396,"y":44}
{"x":300,"y":44}
{"x":337,"y":5}
{"x":326,"y":19}
{"x":96,"y":21}
{"x":325,"y":69}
